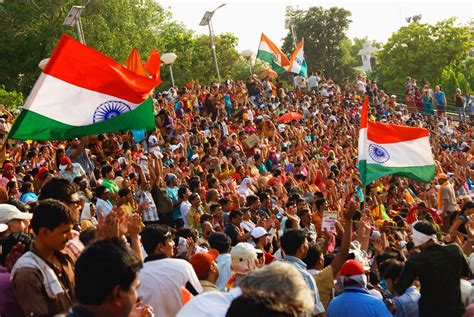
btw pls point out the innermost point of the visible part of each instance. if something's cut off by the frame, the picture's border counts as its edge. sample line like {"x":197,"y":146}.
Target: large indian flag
{"x":386,"y":149}
{"x":83,"y":92}
{"x":269,"y":52}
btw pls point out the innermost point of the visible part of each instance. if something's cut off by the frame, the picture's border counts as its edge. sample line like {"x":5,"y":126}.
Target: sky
{"x":375,"y":19}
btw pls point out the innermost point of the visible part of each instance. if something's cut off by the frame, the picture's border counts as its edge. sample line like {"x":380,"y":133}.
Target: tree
{"x":11,"y":99}
{"x":31,"y":29}
{"x":422,"y":51}
{"x":325,"y":46}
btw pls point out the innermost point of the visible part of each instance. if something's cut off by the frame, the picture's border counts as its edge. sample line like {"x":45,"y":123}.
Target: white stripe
{"x":411,"y":153}
{"x":265,"y":47}
{"x":295,"y":67}
{"x":66,"y":103}
{"x":362,"y":144}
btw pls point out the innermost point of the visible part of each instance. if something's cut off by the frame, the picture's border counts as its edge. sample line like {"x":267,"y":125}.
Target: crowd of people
{"x":245,"y":200}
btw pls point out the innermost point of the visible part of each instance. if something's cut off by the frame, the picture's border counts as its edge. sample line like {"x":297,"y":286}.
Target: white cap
{"x":194,"y":157}
{"x":259,"y":232}
{"x":174,"y":147}
{"x":243,"y":251}
{"x":3,"y":227}
{"x":9,"y":212}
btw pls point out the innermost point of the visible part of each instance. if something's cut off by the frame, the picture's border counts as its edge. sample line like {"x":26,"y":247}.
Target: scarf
{"x":440,"y":203}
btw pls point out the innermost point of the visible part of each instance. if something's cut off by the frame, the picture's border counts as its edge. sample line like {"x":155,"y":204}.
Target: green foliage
{"x":31,"y":29}
{"x":422,"y":51}
{"x":326,"y":46}
{"x":11,"y":99}
{"x":451,"y":80}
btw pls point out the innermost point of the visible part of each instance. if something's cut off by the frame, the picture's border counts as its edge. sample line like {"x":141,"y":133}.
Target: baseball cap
{"x":9,"y":212}
{"x":3,"y":227}
{"x":194,"y":157}
{"x":243,"y":251}
{"x":65,"y":161}
{"x":351,"y":267}
{"x":259,"y":232}
{"x":202,"y":262}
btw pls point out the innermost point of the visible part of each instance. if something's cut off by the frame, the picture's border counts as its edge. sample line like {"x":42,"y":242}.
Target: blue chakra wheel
{"x":109,"y":110}
{"x":378,"y":153}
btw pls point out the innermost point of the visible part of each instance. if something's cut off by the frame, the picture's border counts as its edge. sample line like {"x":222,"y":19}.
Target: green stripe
{"x":371,"y":172}
{"x":32,"y":126}
{"x":268,"y":57}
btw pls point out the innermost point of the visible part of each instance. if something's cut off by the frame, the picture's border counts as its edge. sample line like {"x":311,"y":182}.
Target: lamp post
{"x":74,"y":19}
{"x":207,"y":20}
{"x":168,"y":59}
{"x":248,"y":54}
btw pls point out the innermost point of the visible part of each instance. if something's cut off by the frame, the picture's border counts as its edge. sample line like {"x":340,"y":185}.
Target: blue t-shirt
{"x":173,"y":194}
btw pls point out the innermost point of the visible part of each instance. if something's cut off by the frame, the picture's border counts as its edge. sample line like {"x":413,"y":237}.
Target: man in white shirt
{"x":183,"y":195}
{"x":165,"y":282}
{"x":313,"y":82}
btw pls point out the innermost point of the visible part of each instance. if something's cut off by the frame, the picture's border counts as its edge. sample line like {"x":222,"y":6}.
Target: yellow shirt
{"x":325,"y":282}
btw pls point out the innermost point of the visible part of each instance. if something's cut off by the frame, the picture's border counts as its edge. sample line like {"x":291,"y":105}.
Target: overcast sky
{"x":375,"y":19}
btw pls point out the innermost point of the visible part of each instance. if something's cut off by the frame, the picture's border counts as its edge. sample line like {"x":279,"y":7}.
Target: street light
{"x":248,"y":54}
{"x":74,"y":19}
{"x":207,"y":20}
{"x":168,"y":59}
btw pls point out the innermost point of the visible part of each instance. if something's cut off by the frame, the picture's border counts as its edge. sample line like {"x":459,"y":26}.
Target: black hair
{"x":292,"y":240}
{"x":219,"y":241}
{"x":182,"y":191}
{"x":57,"y":188}
{"x":313,"y":256}
{"x":101,"y":267}
{"x":250,"y":200}
{"x":124,"y":192}
{"x":258,"y":304}
{"x":319,"y":202}
{"x":51,"y":214}
{"x":425,"y":227}
{"x":25,"y":187}
{"x":11,"y":184}
{"x":153,"y":235}
{"x":234,"y":214}
{"x":213,"y":207}
{"x":105,"y":170}
{"x":204,"y":218}
{"x":100,"y":190}
{"x":466,"y":206}
{"x":392,"y":269}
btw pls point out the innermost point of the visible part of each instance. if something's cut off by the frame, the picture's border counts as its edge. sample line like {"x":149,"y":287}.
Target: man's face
{"x":128,"y":298}
{"x":168,"y":247}
{"x":57,"y":238}
{"x":196,"y":201}
{"x":236,"y":221}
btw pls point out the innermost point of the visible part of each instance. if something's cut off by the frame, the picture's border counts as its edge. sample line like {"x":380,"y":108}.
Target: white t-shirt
{"x":161,"y":282}
{"x":361,"y":86}
{"x":313,"y":81}
{"x":184,"y":207}
{"x":210,"y":304}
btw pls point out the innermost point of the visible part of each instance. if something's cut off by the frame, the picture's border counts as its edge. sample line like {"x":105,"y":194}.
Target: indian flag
{"x":386,"y":149}
{"x":83,"y":92}
{"x":297,"y":61}
{"x":269,"y":52}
